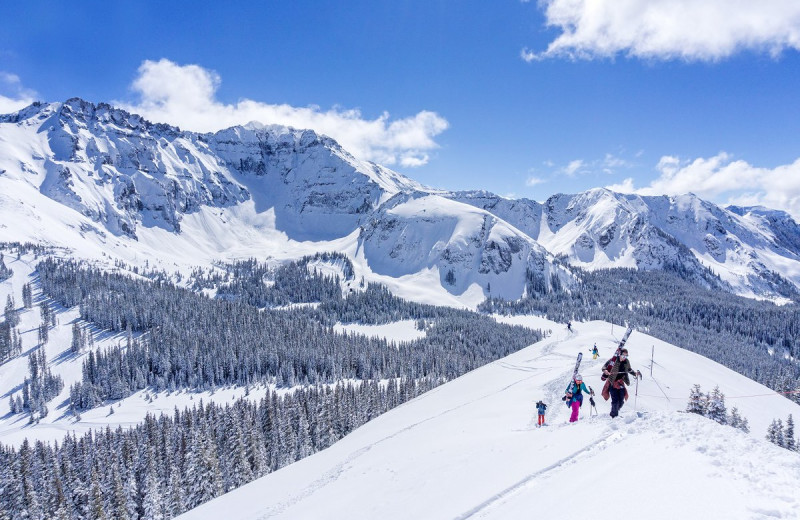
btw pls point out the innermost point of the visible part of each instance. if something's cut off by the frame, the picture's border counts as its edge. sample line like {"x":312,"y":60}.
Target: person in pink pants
{"x":574,"y":396}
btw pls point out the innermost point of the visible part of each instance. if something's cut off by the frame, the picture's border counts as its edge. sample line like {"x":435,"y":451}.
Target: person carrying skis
{"x":573,"y":396}
{"x":540,"y":408}
{"x":595,"y":352}
{"x":616,"y":388}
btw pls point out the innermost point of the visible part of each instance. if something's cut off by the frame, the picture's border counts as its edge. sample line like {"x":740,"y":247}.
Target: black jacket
{"x":624,"y":370}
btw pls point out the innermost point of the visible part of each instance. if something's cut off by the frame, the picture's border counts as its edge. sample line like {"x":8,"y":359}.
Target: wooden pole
{"x":652,"y":355}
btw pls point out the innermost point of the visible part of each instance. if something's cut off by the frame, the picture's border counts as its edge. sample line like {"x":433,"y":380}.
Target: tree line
{"x":172,"y":463}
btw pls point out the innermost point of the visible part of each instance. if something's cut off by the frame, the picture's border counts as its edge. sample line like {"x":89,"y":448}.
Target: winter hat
{"x":578,"y":377}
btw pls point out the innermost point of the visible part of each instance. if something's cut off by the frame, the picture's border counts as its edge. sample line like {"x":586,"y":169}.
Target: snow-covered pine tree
{"x":78,"y":339}
{"x":737,"y":421}
{"x":5,"y":272}
{"x":716,"y":410}
{"x":27,"y":296}
{"x":131,"y":493}
{"x":10,"y":313}
{"x":153,"y":503}
{"x":780,"y":435}
{"x":775,"y":433}
{"x":697,"y":401}
{"x":118,"y":508}
{"x":791,"y":443}
{"x":745,"y":426}
{"x":96,"y":506}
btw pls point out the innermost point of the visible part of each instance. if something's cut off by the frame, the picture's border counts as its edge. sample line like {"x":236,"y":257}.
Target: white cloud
{"x":725,"y":180}
{"x":608,"y":165}
{"x":13,"y":95}
{"x":574,"y":167}
{"x":184,"y":95}
{"x":612,"y":162}
{"x":533,"y":181}
{"x":692,"y":30}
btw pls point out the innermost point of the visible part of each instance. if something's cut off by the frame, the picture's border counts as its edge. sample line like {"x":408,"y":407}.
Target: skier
{"x":616,"y":388}
{"x":540,"y":408}
{"x":569,"y":326}
{"x":573,"y":396}
{"x":595,"y":352}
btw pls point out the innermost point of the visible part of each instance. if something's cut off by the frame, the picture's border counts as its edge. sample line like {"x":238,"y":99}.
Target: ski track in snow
{"x":476,"y":465}
{"x":342,"y":467}
{"x":499,"y":497}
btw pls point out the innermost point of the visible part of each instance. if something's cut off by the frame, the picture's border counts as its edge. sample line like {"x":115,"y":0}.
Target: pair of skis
{"x":575,"y":373}
{"x":612,"y":374}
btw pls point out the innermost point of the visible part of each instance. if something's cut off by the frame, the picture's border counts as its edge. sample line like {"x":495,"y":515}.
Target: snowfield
{"x":470,"y":448}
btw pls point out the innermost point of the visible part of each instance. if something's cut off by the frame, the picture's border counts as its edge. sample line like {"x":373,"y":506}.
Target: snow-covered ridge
{"x":469,"y":449}
{"x":101,"y":181}
{"x":755,"y":251}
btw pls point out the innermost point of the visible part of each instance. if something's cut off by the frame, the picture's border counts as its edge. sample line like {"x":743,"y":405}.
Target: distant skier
{"x":574,"y":396}
{"x":595,"y":352}
{"x":616,"y":388}
{"x":569,"y":326}
{"x":540,"y":408}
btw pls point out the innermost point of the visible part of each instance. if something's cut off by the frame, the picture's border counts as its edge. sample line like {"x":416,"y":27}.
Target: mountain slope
{"x":753,"y":251}
{"x":101,"y":181}
{"x":469,"y":449}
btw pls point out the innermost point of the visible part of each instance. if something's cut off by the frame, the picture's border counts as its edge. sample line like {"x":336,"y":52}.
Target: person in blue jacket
{"x":540,"y":408}
{"x":574,"y":396}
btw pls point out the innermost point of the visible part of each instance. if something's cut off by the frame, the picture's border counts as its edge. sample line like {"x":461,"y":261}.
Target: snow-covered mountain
{"x":755,"y":251}
{"x":469,"y":449}
{"x":99,"y":181}
{"x":104,"y":182}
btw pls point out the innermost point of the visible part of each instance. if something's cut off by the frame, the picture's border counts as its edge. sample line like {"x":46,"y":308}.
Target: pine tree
{"x":31,"y":503}
{"x":780,"y":435}
{"x":716,"y":406}
{"x":118,"y":499}
{"x":734,"y":419}
{"x":176,"y":503}
{"x":153,"y":502}
{"x":78,"y":339}
{"x":789,"y":439}
{"x":745,"y":426}
{"x":27,"y":296}
{"x":775,"y":433}
{"x":10,"y":313}
{"x":697,"y":401}
{"x":132,"y":495}
{"x":96,"y":506}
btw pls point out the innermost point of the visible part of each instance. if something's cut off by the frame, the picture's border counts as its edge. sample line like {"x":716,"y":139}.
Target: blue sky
{"x":521,"y":98}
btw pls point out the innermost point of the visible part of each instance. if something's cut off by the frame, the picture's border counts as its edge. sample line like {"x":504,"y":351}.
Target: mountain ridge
{"x":140,"y":189}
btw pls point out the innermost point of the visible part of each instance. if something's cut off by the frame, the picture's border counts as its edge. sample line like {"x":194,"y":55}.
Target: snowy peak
{"x":469,"y":249}
{"x":124,"y":172}
{"x":775,"y":224}
{"x":257,"y":189}
{"x":115,"y":179}
{"x":753,"y":252}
